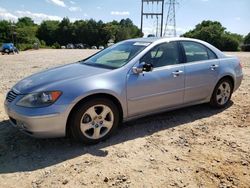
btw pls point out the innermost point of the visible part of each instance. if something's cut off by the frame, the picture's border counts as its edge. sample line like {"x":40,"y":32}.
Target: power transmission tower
{"x":170,"y":27}
{"x":152,"y":14}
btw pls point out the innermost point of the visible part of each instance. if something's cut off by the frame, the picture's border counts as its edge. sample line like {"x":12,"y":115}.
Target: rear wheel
{"x":94,"y":121}
{"x":222,"y":93}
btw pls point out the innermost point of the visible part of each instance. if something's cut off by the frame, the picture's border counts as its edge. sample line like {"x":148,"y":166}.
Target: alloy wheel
{"x":223,"y":93}
{"x":97,"y":121}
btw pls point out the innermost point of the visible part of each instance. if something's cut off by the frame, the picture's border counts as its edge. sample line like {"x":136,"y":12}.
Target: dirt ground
{"x":192,"y":147}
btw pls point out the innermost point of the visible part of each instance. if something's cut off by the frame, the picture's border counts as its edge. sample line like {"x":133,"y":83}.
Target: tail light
{"x":241,"y":66}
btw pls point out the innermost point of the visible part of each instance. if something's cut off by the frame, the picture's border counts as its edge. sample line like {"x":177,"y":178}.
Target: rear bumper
{"x":41,"y":126}
{"x":238,"y":82}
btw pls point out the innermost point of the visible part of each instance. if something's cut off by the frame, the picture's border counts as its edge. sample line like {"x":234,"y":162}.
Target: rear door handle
{"x":177,"y":73}
{"x":213,"y":67}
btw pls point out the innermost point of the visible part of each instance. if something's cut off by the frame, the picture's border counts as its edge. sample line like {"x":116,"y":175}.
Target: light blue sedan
{"x":131,"y":79}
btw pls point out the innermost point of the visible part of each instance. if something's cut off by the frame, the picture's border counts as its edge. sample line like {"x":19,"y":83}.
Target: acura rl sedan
{"x":134,"y":78}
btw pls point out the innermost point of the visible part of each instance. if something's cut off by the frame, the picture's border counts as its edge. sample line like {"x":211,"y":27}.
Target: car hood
{"x":43,"y":80}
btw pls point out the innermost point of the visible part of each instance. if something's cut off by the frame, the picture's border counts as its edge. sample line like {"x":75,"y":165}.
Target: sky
{"x":233,"y":14}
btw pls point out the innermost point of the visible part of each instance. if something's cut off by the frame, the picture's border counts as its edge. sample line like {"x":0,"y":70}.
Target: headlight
{"x":42,"y":99}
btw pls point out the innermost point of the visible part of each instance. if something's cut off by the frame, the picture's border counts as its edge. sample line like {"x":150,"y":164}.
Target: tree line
{"x":24,"y":33}
{"x":214,"y":33}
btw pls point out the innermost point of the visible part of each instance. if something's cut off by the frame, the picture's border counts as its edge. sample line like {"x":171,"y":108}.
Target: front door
{"x":161,"y":88}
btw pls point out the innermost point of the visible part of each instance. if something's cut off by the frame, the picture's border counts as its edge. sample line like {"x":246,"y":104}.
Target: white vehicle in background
{"x":101,"y":47}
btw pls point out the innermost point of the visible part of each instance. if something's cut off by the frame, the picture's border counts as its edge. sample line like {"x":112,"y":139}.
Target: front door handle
{"x":177,"y":73}
{"x":213,"y":67}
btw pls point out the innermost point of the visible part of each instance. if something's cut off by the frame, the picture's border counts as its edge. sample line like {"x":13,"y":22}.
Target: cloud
{"x":99,"y":8}
{"x":37,"y":17}
{"x":72,"y":2}
{"x":58,"y":2}
{"x":119,"y":13}
{"x":204,"y":0}
{"x":5,"y":15}
{"x":237,"y":18}
{"x":75,"y":9}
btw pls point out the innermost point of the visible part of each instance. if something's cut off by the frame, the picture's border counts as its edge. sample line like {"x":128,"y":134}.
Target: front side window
{"x":162,"y":55}
{"x":117,"y":55}
{"x":195,"y":51}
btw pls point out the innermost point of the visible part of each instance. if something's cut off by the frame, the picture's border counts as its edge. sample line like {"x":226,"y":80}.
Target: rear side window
{"x":197,"y":52}
{"x":211,"y":54}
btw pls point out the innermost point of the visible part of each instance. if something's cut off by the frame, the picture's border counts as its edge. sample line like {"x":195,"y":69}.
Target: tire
{"x":6,"y":51}
{"x":90,"y":123}
{"x":222,"y":93}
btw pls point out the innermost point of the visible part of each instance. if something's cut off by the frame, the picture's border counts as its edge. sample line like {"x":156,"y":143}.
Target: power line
{"x":170,"y":26}
{"x":152,"y":13}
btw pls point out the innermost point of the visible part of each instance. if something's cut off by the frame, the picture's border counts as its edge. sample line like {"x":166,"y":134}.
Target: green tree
{"x":65,"y":32}
{"x":230,"y":43}
{"x":25,"y":21}
{"x":5,"y":31}
{"x":214,"y":33}
{"x":47,"y":31}
{"x":246,"y":45}
{"x":247,"y":39}
{"x":56,"y":33}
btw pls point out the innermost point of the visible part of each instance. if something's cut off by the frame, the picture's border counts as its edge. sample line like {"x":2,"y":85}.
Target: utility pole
{"x":170,"y":27}
{"x":152,"y":14}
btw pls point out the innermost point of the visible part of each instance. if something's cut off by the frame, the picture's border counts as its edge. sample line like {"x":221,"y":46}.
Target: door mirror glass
{"x":143,"y":67}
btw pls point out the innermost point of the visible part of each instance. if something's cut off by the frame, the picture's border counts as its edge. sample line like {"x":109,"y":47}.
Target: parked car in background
{"x":70,"y":46}
{"x":151,"y":35}
{"x":8,"y":48}
{"x":131,"y":79}
{"x":101,"y":47}
{"x":79,"y":46}
{"x":94,"y":48}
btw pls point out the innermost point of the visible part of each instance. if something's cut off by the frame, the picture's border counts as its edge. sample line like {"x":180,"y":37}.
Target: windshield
{"x":116,"y":56}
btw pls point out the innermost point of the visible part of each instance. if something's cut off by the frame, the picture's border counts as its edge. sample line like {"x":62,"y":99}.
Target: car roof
{"x":168,"y":39}
{"x":8,"y":43}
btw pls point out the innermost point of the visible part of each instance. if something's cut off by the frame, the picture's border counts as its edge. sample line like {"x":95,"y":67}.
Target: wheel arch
{"x":90,"y":97}
{"x":228,"y":76}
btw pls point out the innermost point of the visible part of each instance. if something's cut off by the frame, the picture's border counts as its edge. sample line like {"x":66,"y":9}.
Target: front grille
{"x":11,"y":96}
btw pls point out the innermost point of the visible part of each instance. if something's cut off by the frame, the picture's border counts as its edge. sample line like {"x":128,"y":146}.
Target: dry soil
{"x":191,"y":147}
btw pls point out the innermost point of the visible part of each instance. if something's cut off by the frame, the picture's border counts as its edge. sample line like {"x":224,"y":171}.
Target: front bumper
{"x":29,"y":121}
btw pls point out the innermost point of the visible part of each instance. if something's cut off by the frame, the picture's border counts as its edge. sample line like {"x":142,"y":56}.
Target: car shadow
{"x":20,"y":153}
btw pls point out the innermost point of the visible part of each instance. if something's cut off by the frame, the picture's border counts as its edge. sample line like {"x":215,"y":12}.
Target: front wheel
{"x":222,"y":93}
{"x":94,"y":121}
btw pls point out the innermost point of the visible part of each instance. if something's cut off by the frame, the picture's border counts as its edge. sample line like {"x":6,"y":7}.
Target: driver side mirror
{"x":143,"y":67}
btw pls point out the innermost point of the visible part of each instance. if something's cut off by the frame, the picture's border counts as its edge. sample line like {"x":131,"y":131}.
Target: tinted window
{"x":162,"y":55}
{"x":195,"y":51}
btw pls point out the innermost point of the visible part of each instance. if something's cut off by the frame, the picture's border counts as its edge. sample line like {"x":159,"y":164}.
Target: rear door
{"x":201,"y":71}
